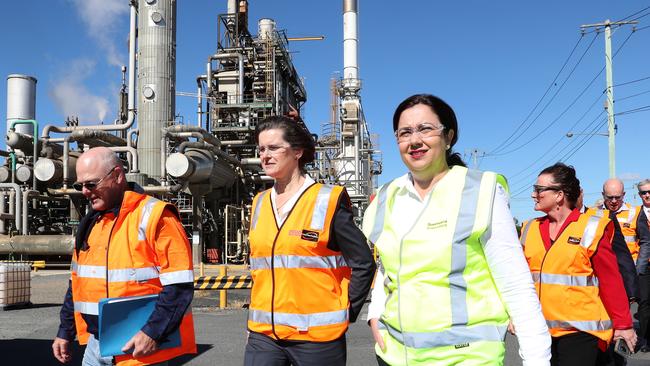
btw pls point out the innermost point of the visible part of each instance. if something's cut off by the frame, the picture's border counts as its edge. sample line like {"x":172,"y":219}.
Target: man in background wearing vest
{"x":127,"y":244}
{"x":642,"y":264}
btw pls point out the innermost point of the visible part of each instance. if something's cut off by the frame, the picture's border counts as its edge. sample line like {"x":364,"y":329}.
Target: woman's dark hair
{"x":444,"y":112}
{"x":564,"y":176}
{"x":293,"y":132}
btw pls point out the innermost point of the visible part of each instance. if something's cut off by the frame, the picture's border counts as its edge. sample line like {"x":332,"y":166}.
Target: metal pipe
{"x":131,"y":100}
{"x":199,"y":100}
{"x":26,"y":195}
{"x":205,"y":146}
{"x":235,"y":142}
{"x":3,"y":203}
{"x":16,"y":204}
{"x":129,"y":137}
{"x":35,"y":152}
{"x":209,"y":138}
{"x":133,"y":164}
{"x":37,"y":244}
{"x":251,"y":161}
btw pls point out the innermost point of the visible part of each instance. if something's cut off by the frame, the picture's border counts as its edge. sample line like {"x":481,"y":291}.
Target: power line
{"x":633,"y":95}
{"x":562,"y":138}
{"x":630,"y":16}
{"x":632,"y":82}
{"x":645,"y":108}
{"x":543,"y":96}
{"x":588,"y":137}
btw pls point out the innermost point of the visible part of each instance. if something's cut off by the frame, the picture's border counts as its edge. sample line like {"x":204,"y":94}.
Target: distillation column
{"x":156,"y":79}
{"x":349,"y":166}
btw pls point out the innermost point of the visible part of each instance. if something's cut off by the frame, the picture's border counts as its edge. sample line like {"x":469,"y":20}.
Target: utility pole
{"x":474,"y":155}
{"x":611,"y":124}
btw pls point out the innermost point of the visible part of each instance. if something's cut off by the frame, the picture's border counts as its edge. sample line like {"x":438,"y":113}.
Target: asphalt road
{"x":26,"y":334}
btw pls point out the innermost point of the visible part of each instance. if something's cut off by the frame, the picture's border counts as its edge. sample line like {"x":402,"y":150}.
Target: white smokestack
{"x":350,"y":41}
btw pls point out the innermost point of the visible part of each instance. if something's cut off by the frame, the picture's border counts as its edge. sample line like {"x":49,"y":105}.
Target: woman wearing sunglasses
{"x":575,"y":271}
{"x":453,"y":272}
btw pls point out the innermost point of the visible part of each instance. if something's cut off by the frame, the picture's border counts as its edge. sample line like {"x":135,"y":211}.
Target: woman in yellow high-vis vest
{"x":575,"y":271}
{"x":452,"y":271}
{"x":311,"y":266}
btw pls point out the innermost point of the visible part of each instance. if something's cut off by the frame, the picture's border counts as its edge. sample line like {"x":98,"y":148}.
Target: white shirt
{"x":283,"y":212}
{"x":507,"y":264}
{"x":647,"y":212}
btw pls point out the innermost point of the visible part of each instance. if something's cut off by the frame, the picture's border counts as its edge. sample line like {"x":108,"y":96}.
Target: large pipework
{"x":17,"y":204}
{"x":21,"y":101}
{"x":200,"y":166}
{"x":37,"y":244}
{"x":156,"y":78}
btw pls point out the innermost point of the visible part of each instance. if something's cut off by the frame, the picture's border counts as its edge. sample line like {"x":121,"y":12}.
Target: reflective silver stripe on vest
{"x":630,"y":215}
{"x":144,"y":219}
{"x":85,"y":271}
{"x":117,"y":275}
{"x":590,"y":231}
{"x":535,"y":275}
{"x":256,"y":211}
{"x":585,"y":325}
{"x":567,"y":280}
{"x":132,"y":274}
{"x":524,"y":232}
{"x":378,"y":225}
{"x":320,"y":207}
{"x":458,"y":334}
{"x":299,"y":321}
{"x":464,"y":225}
{"x":630,"y":238}
{"x":171,"y":278}
{"x":90,"y":308}
{"x":298,"y":261}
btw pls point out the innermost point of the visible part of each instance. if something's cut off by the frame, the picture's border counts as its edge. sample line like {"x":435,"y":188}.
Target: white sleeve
{"x":512,"y":277}
{"x":378,"y":297}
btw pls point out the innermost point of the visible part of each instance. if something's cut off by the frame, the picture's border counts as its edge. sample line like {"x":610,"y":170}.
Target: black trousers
{"x":575,"y":349}
{"x":644,"y":307}
{"x":265,"y":351}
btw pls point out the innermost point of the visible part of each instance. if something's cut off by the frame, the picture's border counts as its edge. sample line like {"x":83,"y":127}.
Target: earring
{"x":448,"y":147}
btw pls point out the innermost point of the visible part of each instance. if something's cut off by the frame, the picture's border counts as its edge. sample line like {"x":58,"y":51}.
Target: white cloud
{"x":73,"y":98}
{"x":102,"y":18}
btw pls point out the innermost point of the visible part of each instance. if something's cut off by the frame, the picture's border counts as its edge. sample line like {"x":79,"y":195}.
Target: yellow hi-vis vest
{"x":300,"y":287}
{"x":564,"y":277}
{"x":442,"y":305}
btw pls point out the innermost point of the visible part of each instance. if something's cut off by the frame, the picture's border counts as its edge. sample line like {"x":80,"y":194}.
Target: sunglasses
{"x":613,"y":198}
{"x":643,"y":193}
{"x":539,"y":189}
{"x":79,"y":186}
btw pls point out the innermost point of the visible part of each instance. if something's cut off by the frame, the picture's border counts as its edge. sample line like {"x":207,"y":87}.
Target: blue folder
{"x":120,"y":318}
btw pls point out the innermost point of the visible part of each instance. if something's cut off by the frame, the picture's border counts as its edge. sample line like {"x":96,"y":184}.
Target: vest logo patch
{"x":309,"y":235}
{"x":435,"y":225}
{"x":626,"y":225}
{"x":574,"y":240}
{"x":462,"y":345}
{"x":295,"y":233}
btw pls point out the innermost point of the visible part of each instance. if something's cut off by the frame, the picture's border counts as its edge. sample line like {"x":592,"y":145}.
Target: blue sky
{"x":491,"y":61}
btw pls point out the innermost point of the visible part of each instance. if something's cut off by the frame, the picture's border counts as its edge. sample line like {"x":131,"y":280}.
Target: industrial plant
{"x":206,"y":164}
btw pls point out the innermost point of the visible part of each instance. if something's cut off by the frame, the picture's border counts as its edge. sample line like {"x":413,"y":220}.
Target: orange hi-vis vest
{"x":123,"y":260}
{"x":627,"y":220}
{"x":564,"y":278}
{"x":300,"y":287}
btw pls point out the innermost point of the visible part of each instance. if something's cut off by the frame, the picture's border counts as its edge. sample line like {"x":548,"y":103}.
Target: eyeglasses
{"x":613,"y":198}
{"x":537,"y":189}
{"x":643,"y":193}
{"x":273,"y":150}
{"x":79,"y":186}
{"x":424,"y":130}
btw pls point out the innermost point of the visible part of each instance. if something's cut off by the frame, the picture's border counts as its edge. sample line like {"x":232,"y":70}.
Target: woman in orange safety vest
{"x":575,"y":271}
{"x":311,"y":266}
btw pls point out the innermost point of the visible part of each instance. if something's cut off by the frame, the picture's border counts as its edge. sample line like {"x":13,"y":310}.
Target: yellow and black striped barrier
{"x":223,"y":282}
